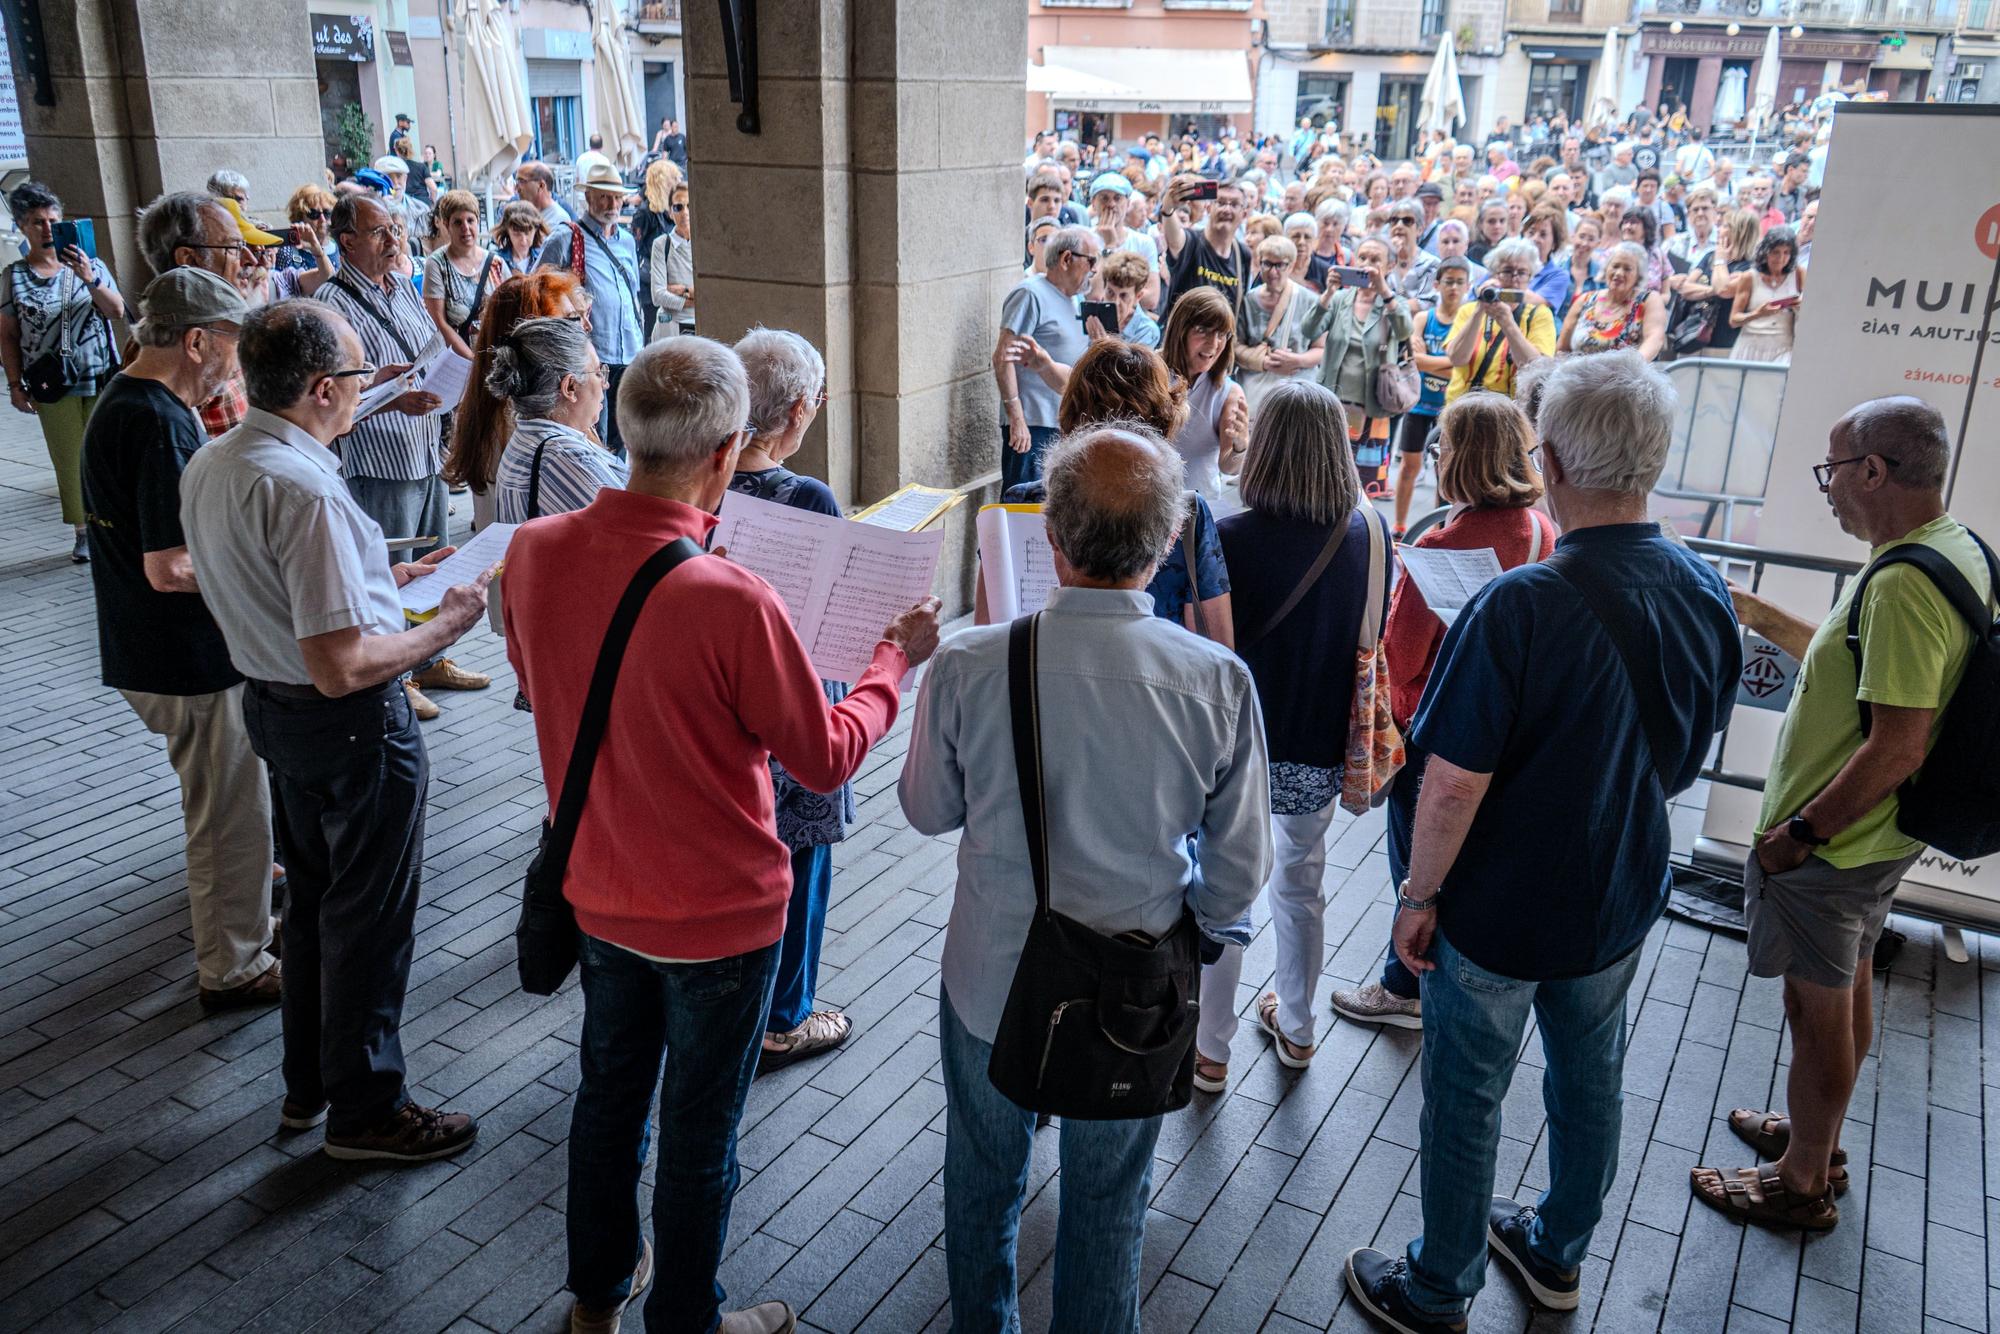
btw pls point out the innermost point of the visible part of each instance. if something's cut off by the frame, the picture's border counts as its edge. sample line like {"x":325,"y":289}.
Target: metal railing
{"x":1724,"y":432}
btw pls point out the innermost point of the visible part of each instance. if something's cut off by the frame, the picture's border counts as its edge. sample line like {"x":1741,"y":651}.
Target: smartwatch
{"x":1800,"y":830}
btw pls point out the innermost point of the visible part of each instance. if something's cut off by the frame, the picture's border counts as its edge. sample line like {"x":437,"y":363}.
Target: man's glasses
{"x":1823,"y":472}
{"x":363,"y":369}
{"x":209,"y":245}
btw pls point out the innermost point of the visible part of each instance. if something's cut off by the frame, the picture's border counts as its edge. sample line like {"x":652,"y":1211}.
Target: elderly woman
{"x":1331,"y":217}
{"x":1274,"y":347}
{"x":1549,"y":230}
{"x":1642,"y":229}
{"x":517,"y":237}
{"x":554,"y":463}
{"x":300,"y":269}
{"x":1486,"y":473}
{"x":1765,"y":309}
{"x":459,"y":274}
{"x":1453,"y":238}
{"x":1622,"y":314}
{"x":56,"y":308}
{"x":1303,"y":233}
{"x":1504,"y":328}
{"x":1302,"y":551}
{"x":787,"y":380}
{"x":1364,"y":327}
{"x":1199,"y":347}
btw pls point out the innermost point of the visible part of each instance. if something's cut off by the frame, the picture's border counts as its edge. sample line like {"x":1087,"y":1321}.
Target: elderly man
{"x":1119,"y":692}
{"x":1723,"y":181}
{"x":678,"y":877}
{"x":1620,"y":647}
{"x":158,"y":644}
{"x":227,"y":184}
{"x":195,"y":229}
{"x":1829,"y":854}
{"x":1040,"y":339}
{"x":299,"y":580}
{"x":605,"y":259}
{"x":1212,"y":257}
{"x":414,"y":212}
{"x":1619,"y":171}
{"x":391,"y":460}
{"x":535,"y":185}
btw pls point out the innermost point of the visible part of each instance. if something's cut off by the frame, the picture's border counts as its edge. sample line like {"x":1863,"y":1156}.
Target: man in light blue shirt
{"x":604,"y":256}
{"x":1041,"y":336}
{"x":1122,"y":694}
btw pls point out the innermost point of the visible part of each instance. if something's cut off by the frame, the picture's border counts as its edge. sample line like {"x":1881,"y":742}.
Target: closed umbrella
{"x":611,"y":79}
{"x":496,"y":97}
{"x":1764,"y":102}
{"x":1444,"y":101}
{"x":1604,"y":95}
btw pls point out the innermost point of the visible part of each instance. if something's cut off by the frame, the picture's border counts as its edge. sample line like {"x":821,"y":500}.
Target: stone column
{"x":1707,"y":80}
{"x":877,"y":214}
{"x":152,"y":97}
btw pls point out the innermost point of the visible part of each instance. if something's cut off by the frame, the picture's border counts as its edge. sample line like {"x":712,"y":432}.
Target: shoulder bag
{"x":1398,"y":383}
{"x":50,"y":377}
{"x":1096,"y":1027}
{"x":545,"y":935}
{"x":1304,"y":586}
{"x":469,"y":326}
{"x":1375,"y":749}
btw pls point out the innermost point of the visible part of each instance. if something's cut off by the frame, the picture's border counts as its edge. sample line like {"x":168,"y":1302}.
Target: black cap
{"x":1430,"y":190}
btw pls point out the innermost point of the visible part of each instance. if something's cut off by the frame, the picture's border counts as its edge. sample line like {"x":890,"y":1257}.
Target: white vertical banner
{"x":1900,"y":298}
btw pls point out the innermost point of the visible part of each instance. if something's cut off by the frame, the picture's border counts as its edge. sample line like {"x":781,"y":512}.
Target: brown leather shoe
{"x":419,"y":705}
{"x":413,"y":1135}
{"x":267,"y":988}
{"x":604,"y":1319}
{"x":763,"y":1318}
{"x":444,"y":674}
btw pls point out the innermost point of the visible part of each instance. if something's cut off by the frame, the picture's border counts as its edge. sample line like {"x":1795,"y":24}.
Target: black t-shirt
{"x":1646,"y":157}
{"x":135,"y":447}
{"x":1198,"y":265}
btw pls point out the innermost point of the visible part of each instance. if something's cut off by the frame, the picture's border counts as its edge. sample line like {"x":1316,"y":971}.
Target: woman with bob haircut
{"x":1199,"y":347}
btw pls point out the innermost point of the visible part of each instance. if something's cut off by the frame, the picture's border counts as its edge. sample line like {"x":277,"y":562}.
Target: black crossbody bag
{"x":545,"y":935}
{"x":1096,"y":1027}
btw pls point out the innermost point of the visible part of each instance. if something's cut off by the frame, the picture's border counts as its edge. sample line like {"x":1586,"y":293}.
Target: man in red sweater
{"x":678,"y":878}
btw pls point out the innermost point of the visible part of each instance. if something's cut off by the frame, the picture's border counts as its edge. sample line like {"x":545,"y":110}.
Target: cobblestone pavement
{"x":144,"y":1184}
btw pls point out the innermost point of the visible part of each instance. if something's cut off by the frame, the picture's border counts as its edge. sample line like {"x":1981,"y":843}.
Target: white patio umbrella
{"x":1444,"y":101}
{"x":1764,"y":102}
{"x":496,"y":96}
{"x":1604,"y":94}
{"x":618,"y":118}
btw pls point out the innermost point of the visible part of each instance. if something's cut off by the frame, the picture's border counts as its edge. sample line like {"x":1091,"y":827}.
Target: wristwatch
{"x":1403,"y":899}
{"x":1800,"y":830}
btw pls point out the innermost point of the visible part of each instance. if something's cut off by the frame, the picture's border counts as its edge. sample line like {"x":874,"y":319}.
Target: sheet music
{"x":1448,"y":579}
{"x":909,"y":509}
{"x":841,"y":581}
{"x":486,"y":547}
{"x":1016,"y":563}
{"x":446,"y":374}
{"x":376,"y":399}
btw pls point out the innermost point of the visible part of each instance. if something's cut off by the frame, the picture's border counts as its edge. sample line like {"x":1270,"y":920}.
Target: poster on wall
{"x":1901,"y":298}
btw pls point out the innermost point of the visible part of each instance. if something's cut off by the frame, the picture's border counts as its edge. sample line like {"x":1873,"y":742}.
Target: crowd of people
{"x":1208,"y":444}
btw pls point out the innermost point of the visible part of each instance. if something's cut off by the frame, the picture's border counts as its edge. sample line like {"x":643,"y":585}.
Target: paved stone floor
{"x":144,"y":1184}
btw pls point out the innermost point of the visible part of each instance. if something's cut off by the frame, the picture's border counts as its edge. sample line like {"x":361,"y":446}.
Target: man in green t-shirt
{"x":1828,"y":855}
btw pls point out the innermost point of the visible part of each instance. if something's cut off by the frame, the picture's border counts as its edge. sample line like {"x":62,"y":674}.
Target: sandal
{"x":1210,"y":1076}
{"x":1758,"y":1195}
{"x":1770,"y":1134}
{"x":1290,"y":1054}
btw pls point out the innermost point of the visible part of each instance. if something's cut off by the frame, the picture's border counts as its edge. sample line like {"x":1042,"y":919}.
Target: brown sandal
{"x":1290,"y":1054}
{"x":1770,"y":1134}
{"x":1210,"y":1076}
{"x":1757,"y":1195}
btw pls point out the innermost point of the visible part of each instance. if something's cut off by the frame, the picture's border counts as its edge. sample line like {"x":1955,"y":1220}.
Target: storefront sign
{"x":13,"y":141}
{"x":1143,"y":105}
{"x":1920,"y":317}
{"x":1659,"y":42}
{"x":343,"y":37}
{"x":399,"y":48}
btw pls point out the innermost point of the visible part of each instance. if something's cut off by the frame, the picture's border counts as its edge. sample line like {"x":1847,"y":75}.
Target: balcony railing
{"x":661,"y":16}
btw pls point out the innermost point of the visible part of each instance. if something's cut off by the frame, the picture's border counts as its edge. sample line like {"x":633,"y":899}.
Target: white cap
{"x":389,"y":164}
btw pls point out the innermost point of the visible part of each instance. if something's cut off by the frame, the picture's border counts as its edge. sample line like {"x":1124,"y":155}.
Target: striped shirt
{"x":389,"y":445}
{"x":574,"y":470}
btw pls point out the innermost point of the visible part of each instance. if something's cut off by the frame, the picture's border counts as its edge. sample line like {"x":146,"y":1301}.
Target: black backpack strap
{"x":1493,"y":345}
{"x":1957,"y":590}
{"x":1655,"y":716}
{"x":487,"y":260}
{"x":1026,"y":702}
{"x":597,"y":705}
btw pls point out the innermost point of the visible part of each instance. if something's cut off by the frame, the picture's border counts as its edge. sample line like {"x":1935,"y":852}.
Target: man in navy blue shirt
{"x":1569,"y":701}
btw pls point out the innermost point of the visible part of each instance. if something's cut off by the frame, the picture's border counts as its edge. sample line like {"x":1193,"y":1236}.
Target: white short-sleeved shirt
{"x":1039,"y":309}
{"x":280,"y":549}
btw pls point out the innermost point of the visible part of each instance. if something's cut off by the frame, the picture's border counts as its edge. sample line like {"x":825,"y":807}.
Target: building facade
{"x":1553,"y":53}
{"x":1124,"y":69}
{"x":1362,"y":64}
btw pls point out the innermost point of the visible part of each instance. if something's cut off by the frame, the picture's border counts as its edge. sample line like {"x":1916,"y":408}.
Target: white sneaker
{"x":1375,"y":1004}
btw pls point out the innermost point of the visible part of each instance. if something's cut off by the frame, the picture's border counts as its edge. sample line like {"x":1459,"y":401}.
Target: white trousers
{"x":1297,"y":894}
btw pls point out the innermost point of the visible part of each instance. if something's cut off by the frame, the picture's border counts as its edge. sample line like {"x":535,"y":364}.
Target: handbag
{"x":1398,"y":384}
{"x":1096,"y":1027}
{"x":545,"y":935}
{"x":1374,"y":744}
{"x":50,"y":377}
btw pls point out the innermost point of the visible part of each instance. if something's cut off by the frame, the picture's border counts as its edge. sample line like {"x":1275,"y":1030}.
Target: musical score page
{"x":1016,"y":563}
{"x":841,"y":581}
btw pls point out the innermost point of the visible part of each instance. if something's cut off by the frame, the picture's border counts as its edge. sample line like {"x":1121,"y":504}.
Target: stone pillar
{"x":1707,"y":80}
{"x":150,"y":97}
{"x":878,"y":215}
{"x":1656,"y":69}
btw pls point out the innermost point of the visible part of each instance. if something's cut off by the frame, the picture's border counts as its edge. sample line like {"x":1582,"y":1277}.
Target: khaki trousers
{"x":226,"y":805}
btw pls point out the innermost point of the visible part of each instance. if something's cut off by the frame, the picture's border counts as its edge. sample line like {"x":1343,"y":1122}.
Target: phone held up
{"x":80,"y":235}
{"x":1349,"y":276}
{"x":1106,"y":313}
{"x":1202,"y":190}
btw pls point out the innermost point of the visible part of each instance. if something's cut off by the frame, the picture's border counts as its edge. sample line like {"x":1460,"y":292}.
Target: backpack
{"x":1953,"y":801}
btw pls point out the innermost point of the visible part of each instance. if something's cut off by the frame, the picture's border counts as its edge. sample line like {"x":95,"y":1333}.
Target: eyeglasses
{"x":365,"y":368}
{"x":208,"y":245}
{"x":1823,"y":472}
{"x":1272,"y":264}
{"x":819,"y":399}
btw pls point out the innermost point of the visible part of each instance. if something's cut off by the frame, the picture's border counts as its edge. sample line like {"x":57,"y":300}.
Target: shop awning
{"x":1142,"y":78}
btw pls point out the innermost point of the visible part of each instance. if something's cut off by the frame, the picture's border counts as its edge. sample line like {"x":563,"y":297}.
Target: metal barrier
{"x":1724,"y":432}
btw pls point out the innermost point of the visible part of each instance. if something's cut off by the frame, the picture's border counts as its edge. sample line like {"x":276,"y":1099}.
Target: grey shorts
{"x":1816,"y":921}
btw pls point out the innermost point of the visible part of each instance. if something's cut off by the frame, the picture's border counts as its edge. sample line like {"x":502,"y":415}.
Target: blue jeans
{"x":805,"y":927}
{"x":707,"y":1021}
{"x":1018,"y":468}
{"x":1107,"y":1174}
{"x":1473,"y":1022}
{"x":1396,"y":979}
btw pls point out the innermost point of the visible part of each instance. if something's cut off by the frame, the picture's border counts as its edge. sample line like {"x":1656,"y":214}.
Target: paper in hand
{"x":1016,"y":564}
{"x":483,"y":549}
{"x":1449,"y":579}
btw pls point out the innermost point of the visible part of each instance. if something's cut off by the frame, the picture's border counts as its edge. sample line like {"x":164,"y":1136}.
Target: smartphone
{"x":1105,"y":311}
{"x":82,"y":234}
{"x":1352,"y":277}
{"x":1784,"y":303}
{"x":1204,"y":190}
